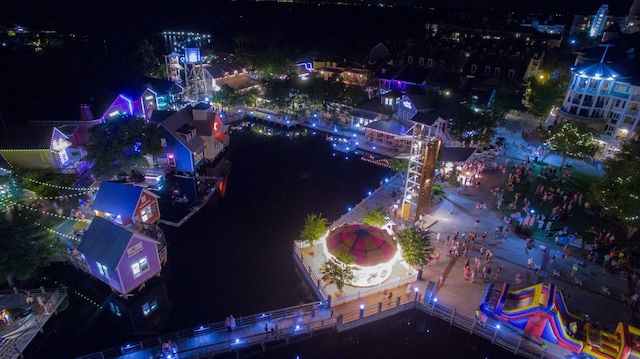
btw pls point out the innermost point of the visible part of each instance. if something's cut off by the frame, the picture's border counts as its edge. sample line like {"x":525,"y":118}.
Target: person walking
{"x":232,"y":321}
{"x":529,"y":262}
{"x":477,"y":223}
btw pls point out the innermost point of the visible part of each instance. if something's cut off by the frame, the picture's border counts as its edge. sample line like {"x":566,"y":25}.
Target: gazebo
{"x":372,"y":249}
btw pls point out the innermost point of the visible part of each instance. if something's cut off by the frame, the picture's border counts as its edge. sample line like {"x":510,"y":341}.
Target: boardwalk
{"x":29,"y":317}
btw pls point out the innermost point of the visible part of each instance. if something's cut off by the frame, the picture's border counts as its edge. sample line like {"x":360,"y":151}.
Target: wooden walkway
{"x":17,"y":335}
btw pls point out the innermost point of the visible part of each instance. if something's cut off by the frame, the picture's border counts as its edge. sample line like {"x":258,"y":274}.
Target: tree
{"x":543,"y":95}
{"x":24,"y":246}
{"x":619,"y":190}
{"x":44,"y":184}
{"x":416,"y":245}
{"x":399,"y":164}
{"x":504,"y":100}
{"x":571,"y":141}
{"x":337,"y":272}
{"x":437,"y":192}
{"x":375,"y":217}
{"x":314,"y":227}
{"x":471,"y":126}
{"x":120,"y":145}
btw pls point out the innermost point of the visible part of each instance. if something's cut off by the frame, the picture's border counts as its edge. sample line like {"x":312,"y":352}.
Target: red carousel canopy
{"x":367,"y":245}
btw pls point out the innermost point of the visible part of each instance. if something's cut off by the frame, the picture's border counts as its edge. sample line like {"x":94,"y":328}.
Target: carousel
{"x":373,"y":252}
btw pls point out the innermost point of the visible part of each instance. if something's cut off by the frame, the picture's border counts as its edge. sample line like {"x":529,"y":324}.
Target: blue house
{"x":126,"y":204}
{"x":183,"y":150}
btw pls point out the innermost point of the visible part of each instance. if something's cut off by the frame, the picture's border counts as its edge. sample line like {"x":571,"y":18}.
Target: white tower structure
{"x":194,"y":74}
{"x":420,"y":174}
{"x":174,"y":69}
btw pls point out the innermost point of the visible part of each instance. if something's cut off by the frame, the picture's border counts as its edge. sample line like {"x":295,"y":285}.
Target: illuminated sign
{"x":111,"y":114}
{"x":407,"y":104}
{"x":135,"y":249}
{"x":150,"y":97}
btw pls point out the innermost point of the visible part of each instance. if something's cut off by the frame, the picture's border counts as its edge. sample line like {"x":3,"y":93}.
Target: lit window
{"x":149,"y":307}
{"x":102,"y":269}
{"x":140,"y":267}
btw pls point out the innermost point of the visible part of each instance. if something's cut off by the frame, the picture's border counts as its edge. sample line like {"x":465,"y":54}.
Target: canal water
{"x":234,"y":257}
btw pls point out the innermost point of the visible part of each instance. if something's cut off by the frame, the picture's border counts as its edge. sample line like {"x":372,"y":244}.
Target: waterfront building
{"x":182,"y":148}
{"x":120,"y":256}
{"x":126,"y":204}
{"x":606,"y":97}
{"x":42,"y":148}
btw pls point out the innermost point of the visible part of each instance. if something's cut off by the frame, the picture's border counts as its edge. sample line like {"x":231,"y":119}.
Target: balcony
{"x":574,"y":115}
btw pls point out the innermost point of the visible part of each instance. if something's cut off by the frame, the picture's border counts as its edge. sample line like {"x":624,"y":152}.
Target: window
{"x":410,"y":59}
{"x":474,"y":68}
{"x":163,"y":142}
{"x":149,"y":307}
{"x":115,"y":309}
{"x":496,"y":71}
{"x":487,"y":70}
{"x":429,"y":62}
{"x":103,"y":269}
{"x":511,"y":73}
{"x":421,"y":61}
{"x":140,"y":267}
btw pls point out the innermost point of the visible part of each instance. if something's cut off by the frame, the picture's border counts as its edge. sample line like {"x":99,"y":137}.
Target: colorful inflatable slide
{"x":540,"y":311}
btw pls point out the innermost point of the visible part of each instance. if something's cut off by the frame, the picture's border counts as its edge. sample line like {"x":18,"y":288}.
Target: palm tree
{"x":416,"y":245}
{"x":314,"y":227}
{"x":336,"y":272}
{"x":375,"y":218}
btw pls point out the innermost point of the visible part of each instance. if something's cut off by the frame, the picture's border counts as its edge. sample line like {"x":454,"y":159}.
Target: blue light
{"x":369,"y":193}
{"x":346,"y":157}
{"x":314,"y":125}
{"x":386,"y":180}
{"x":349,"y":209}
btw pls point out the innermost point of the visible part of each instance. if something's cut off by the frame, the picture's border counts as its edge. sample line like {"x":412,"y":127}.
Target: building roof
{"x":105,"y":242}
{"x":177,"y":121}
{"x":456,"y":154}
{"x":422,"y":101}
{"x":392,"y":126}
{"x":161,"y":86}
{"x":598,"y":70}
{"x":237,"y":82}
{"x":223,"y":69}
{"x":426,"y":117}
{"x":118,"y":199}
{"x":26,"y":138}
{"x":373,"y":106}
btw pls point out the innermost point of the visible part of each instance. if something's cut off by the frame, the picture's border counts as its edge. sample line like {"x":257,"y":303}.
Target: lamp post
{"x":395,"y":211}
{"x":416,"y":290}
{"x":495,"y":334}
{"x":361,"y":311}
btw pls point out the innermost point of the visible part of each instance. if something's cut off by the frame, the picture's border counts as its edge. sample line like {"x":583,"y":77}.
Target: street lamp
{"x":361,"y":311}
{"x":395,"y":211}
{"x":495,"y":334}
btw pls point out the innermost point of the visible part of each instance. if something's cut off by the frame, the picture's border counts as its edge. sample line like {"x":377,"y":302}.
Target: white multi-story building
{"x":607,"y":100}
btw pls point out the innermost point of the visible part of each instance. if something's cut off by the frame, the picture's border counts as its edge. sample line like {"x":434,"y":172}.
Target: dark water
{"x":407,"y":335}
{"x":233,"y":257}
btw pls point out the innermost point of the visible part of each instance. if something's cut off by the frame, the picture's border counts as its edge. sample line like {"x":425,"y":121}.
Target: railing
{"x":317,"y":283}
{"x":509,"y":339}
{"x":180,"y":337}
{"x":377,"y":290}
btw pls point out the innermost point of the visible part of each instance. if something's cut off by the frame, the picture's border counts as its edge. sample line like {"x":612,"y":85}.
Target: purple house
{"x":119,"y":256}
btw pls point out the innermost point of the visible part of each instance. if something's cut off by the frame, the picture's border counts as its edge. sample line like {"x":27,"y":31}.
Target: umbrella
{"x":367,"y":245}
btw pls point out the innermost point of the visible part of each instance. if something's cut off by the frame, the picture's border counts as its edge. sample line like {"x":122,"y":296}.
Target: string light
{"x":60,"y":187}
